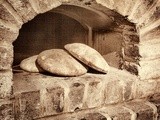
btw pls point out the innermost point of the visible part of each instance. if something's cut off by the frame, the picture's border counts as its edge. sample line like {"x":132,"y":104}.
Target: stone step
{"x":134,"y":110}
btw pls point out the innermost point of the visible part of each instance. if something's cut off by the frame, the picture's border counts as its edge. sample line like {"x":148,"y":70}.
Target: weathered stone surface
{"x":94,"y":91}
{"x":130,"y":38}
{"x":116,"y":112}
{"x":142,"y":8}
{"x":107,"y":3}
{"x":148,"y":36}
{"x":76,"y":94}
{"x":131,"y":51}
{"x":119,"y":88}
{"x":24,"y":9}
{"x":131,"y":67}
{"x":151,"y":16}
{"x":145,"y":88}
{"x":27,"y":105}
{"x":91,"y":116}
{"x":144,"y":112}
{"x":7,"y":35}
{"x":6,"y":55}
{"x":155,"y":99}
{"x":6,"y":111}
{"x":149,"y":69}
{"x":7,"y":17}
{"x":42,"y":6}
{"x":149,"y":51}
{"x":53,"y":100}
{"x":120,"y":6}
{"x":5,"y":84}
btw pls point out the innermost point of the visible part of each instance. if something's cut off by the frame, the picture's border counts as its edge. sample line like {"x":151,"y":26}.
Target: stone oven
{"x":130,"y":90}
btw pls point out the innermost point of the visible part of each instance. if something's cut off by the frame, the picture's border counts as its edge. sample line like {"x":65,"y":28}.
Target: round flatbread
{"x":88,"y":56}
{"x":59,"y":62}
{"x":30,"y":64}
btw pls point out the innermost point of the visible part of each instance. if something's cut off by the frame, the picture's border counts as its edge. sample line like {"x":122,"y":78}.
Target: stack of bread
{"x":74,"y":60}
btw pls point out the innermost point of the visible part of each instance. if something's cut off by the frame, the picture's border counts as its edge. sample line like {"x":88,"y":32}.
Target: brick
{"x":151,"y":16}
{"x":149,"y":35}
{"x":7,"y":17}
{"x":42,"y":6}
{"x":130,"y":67}
{"x":53,"y":100}
{"x":6,"y":111}
{"x":145,"y":88}
{"x":118,"y":91}
{"x":144,"y":112}
{"x":27,"y":105}
{"x":116,"y":112}
{"x":149,"y":51}
{"x":6,"y":55}
{"x":131,"y":50}
{"x":76,"y":95}
{"x":107,"y":3}
{"x":7,"y":35}
{"x":155,"y":99}
{"x":91,"y":116}
{"x":130,"y":38}
{"x":5,"y":84}
{"x":94,"y":91}
{"x":149,"y":69}
{"x":141,"y":8}
{"x":24,"y":9}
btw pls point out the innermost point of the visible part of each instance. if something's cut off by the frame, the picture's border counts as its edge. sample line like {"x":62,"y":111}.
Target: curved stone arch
{"x":16,"y":13}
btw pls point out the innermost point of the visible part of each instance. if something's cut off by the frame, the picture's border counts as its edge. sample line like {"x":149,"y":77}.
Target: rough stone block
{"x":151,"y":17}
{"x":116,"y":112}
{"x":120,"y":6}
{"x":142,"y":8}
{"x":7,"y":17}
{"x":119,"y":88}
{"x":7,"y":35}
{"x":155,"y":99}
{"x":149,"y":69}
{"x":91,"y":116}
{"x":42,"y":6}
{"x":27,"y":105}
{"x":131,"y":67}
{"x":76,"y":95}
{"x":24,"y":9}
{"x":107,"y":3}
{"x":145,"y":88}
{"x":149,"y":51}
{"x":144,"y":112}
{"x":130,"y":38}
{"x":6,"y":110}
{"x":6,"y":55}
{"x":53,"y":100}
{"x":131,"y":51}
{"x":5,"y":84}
{"x":149,"y":35}
{"x":94,"y":91}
